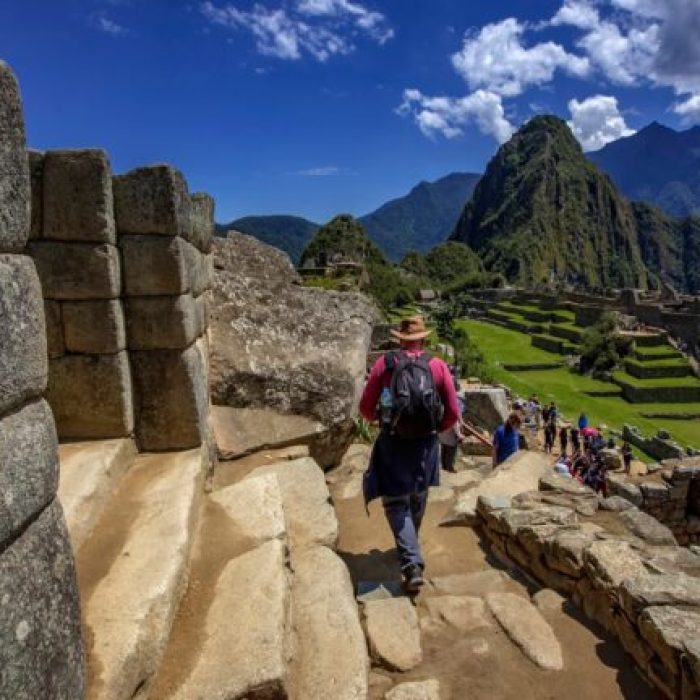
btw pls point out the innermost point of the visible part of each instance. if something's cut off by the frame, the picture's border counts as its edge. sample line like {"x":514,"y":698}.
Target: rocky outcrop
{"x":485,"y":406}
{"x":280,"y":346}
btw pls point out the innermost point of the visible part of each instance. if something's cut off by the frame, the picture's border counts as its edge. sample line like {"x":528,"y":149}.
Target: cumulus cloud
{"x":689,"y":110}
{"x":321,"y":28}
{"x":447,"y":115}
{"x":596,"y":121}
{"x":496,"y":59}
{"x":576,"y":13}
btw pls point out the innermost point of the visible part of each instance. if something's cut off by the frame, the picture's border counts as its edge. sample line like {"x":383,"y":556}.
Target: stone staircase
{"x":236,"y":593}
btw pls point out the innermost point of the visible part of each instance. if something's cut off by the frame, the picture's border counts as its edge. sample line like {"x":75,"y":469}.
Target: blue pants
{"x":405,"y":514}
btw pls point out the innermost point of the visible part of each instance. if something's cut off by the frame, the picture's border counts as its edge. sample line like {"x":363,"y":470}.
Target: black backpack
{"x":416,"y":409}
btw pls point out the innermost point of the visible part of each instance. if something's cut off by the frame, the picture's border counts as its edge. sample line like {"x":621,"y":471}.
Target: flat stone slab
{"x":659,"y":589}
{"x":310,"y":516}
{"x":393,"y":633}
{"x":647,"y":527}
{"x":415,"y":690}
{"x":244,"y":651}
{"x":255,"y":507}
{"x":548,"y":600}
{"x":130,"y":612}
{"x":90,"y":474}
{"x":526,"y":627}
{"x":330,"y":659}
{"x":242,"y":431}
{"x":463,"y":613}
{"x":474,"y":584}
{"x":609,"y":562}
{"x":667,"y":629}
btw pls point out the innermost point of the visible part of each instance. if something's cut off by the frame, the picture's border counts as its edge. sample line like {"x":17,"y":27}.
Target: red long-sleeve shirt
{"x":380,"y":378}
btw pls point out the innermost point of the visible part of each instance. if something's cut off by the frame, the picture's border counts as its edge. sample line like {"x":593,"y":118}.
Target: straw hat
{"x":412,"y":328}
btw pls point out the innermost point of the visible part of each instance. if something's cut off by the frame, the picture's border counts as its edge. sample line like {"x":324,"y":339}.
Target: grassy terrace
{"x":504,"y":346}
{"x":661,"y":381}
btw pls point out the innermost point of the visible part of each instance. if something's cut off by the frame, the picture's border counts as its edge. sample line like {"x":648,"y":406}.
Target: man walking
{"x":412,"y":395}
{"x":506,"y":439}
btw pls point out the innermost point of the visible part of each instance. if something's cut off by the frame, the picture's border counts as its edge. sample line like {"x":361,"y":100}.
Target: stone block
{"x":155,"y":265}
{"x":667,"y":628}
{"x":75,"y":271}
{"x":94,"y":327}
{"x":202,"y":311}
{"x":36,"y":176}
{"x":393,"y":633}
{"x":171,"y":398}
{"x":54,"y":329}
{"x":197,"y":266}
{"x":202,"y":221}
{"x":91,"y":396}
{"x":646,"y":527}
{"x":608,"y":563}
{"x":153,"y":200}
{"x":28,"y":466}
{"x":78,"y":204}
{"x":41,"y":654}
{"x":162,"y":323}
{"x":642,"y":592}
{"x":15,"y":192}
{"x":23,"y":361}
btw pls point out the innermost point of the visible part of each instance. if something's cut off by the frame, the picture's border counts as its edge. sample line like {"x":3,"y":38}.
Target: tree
{"x":602,"y":347}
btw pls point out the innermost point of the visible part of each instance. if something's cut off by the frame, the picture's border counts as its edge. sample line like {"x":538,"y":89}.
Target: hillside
{"x":544,"y":213}
{"x":657,"y":165}
{"x":421,"y":219}
{"x":288,"y":233}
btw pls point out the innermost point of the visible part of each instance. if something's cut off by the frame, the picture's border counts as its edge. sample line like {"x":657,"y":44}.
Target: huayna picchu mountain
{"x":544,"y":213}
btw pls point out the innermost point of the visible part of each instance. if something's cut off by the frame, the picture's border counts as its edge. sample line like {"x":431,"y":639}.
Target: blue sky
{"x":313,"y":107}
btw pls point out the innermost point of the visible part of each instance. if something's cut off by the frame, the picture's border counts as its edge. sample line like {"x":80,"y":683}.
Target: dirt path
{"x":484,"y":664}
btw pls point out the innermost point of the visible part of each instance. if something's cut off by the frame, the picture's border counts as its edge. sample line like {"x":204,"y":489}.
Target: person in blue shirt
{"x":506,"y":439}
{"x":582,"y":421}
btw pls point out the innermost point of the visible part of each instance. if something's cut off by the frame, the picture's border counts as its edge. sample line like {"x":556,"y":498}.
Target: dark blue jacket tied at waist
{"x":399,"y":467}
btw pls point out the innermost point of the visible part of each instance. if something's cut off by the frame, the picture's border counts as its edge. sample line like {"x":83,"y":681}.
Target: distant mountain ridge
{"x":417,"y":221}
{"x":421,"y":219}
{"x":657,"y":165}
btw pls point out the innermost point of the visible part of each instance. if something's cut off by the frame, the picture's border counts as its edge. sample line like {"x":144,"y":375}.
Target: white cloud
{"x":108,"y":26}
{"x":689,"y":110}
{"x":322,"y":171}
{"x":448,"y":115}
{"x":577,"y":13}
{"x":321,"y":28}
{"x":495,"y":59}
{"x":596,"y":121}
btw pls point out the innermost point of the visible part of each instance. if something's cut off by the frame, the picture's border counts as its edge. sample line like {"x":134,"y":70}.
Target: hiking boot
{"x":413,"y":578}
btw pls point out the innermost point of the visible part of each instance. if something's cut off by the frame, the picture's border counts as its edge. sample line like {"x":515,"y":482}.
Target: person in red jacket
{"x":405,"y":457}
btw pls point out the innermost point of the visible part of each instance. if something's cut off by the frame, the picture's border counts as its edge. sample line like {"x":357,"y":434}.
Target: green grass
{"x":668,"y":362}
{"x":660,"y":382}
{"x":653,"y":352}
{"x":566,"y":387}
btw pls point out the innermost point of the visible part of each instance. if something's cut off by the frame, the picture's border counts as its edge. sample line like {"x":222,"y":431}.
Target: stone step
{"x":133,"y":571}
{"x":90,"y":474}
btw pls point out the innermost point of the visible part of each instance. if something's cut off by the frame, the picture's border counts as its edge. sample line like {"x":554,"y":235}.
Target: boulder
{"x":486,"y":407}
{"x":28,"y":466}
{"x":646,"y":527}
{"x":153,"y":200}
{"x":171,"y":400}
{"x":393,"y":633}
{"x":41,"y":652}
{"x":14,"y":167}
{"x":526,"y":627}
{"x":609,"y":562}
{"x":330,"y":659}
{"x":615,"y":504}
{"x":90,"y":396}
{"x":255,"y":508}
{"x":93,"y":327}
{"x":244,"y":652}
{"x":612,"y":458}
{"x":564,"y":551}
{"x":547,"y":601}
{"x":618,"y":485}
{"x":415,"y":690}
{"x":23,"y":361}
{"x":242,"y":431}
{"x":306,"y":501}
{"x":77,"y":197}
{"x":463,"y":613}
{"x":667,"y":629}
{"x":281,"y":346}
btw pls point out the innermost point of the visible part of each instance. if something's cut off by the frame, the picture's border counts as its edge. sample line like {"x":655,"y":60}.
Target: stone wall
{"x":672,"y":496}
{"x":125,"y":270}
{"x":631,"y":578}
{"x":41,"y":653}
{"x":658,"y":394}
